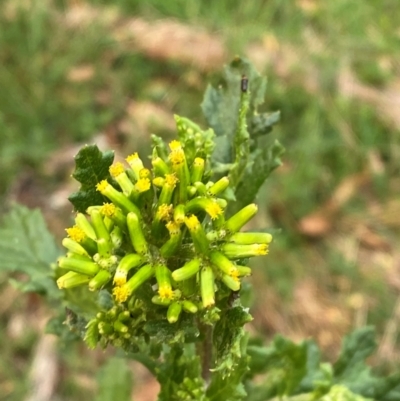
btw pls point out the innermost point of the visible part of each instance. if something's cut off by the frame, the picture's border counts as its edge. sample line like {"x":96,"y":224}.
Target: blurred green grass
{"x":65,"y":78}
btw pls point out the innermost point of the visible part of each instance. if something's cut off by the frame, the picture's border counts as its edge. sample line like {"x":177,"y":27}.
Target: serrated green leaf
{"x":115,"y":381}
{"x":261,"y":124}
{"x":221,"y":105}
{"x":350,"y":369}
{"x":230,"y":388}
{"x":265,"y":160}
{"x":91,"y":167}
{"x":180,"y":375}
{"x":27,"y":246}
{"x":227,"y":338}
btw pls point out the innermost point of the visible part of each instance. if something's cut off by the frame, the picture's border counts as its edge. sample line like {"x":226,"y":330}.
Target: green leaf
{"x":230,"y":388}
{"x":350,"y":369}
{"x":180,"y":375}
{"x":342,"y":393}
{"x":115,"y":381}
{"x":164,"y":332}
{"x":27,"y":246}
{"x":91,"y":167}
{"x":261,"y":124}
{"x":227,"y":338}
{"x":264,"y":161}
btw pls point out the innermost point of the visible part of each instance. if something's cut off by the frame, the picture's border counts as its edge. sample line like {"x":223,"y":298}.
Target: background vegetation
{"x":112,"y":72}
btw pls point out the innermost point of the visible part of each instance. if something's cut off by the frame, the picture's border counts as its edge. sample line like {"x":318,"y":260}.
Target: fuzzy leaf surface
{"x":91,"y":167}
{"x":27,"y":246}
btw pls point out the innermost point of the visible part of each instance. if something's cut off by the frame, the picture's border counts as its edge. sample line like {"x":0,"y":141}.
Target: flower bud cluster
{"x":163,"y":226}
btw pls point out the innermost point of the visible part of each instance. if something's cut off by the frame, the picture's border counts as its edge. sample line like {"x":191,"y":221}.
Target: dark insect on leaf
{"x":244,"y":84}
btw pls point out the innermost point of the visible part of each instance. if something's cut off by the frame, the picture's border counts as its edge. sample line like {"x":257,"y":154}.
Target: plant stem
{"x":204,"y":349}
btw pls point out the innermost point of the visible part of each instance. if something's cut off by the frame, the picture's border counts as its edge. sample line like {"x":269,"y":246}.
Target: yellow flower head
{"x":171,"y":180}
{"x":116,"y":169}
{"x":121,"y":294}
{"x":164,"y":212}
{"x":132,"y":158}
{"x":177,"y":157}
{"x":108,"y":209}
{"x":165,"y":292}
{"x":119,"y":278}
{"x":192,"y":222}
{"x":76,"y":233}
{"x":235,"y":274}
{"x":214,"y":210}
{"x":144,"y":173}
{"x":172,"y":227}
{"x":143,"y":185}
{"x":198,"y":161}
{"x":175,"y":145}
{"x":102,"y":185}
{"x":261,"y":249}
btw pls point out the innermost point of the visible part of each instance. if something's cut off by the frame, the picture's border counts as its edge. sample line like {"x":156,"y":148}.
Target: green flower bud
{"x":136,"y":164}
{"x":115,"y":214}
{"x":124,"y":316}
{"x":188,"y":270}
{"x":250,"y":238}
{"x":179,"y":214}
{"x":122,"y":293}
{"x":99,"y":280}
{"x":178,"y":160}
{"x":118,"y":198}
{"x":117,"y":171}
{"x":238,"y":220}
{"x":74,"y":247}
{"x":161,"y":301}
{"x":197,"y":233}
{"x":105,"y":328}
{"x":167,"y":190}
{"x":219,"y":186}
{"x":104,"y":248}
{"x":174,"y":310}
{"x":223,"y":263}
{"x":170,"y":247}
{"x":163,"y":277}
{"x":160,"y":168}
{"x":83,"y":223}
{"x":116,"y":237}
{"x":159,"y":182}
{"x":207,"y":286}
{"x":72,"y":279}
{"x":243,"y":271}
{"x":136,"y":234}
{"x":197,"y":170}
{"x":79,"y":266}
{"x":236,"y":251}
{"x":99,"y":226}
{"x":127,"y":263}
{"x":120,"y":327}
{"x":209,"y":205}
{"x":200,"y":187}
{"x":191,"y":190}
{"x":231,"y":282}
{"x":189,"y":306}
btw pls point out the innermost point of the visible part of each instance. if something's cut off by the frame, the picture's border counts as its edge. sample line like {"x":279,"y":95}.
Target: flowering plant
{"x":156,"y":260}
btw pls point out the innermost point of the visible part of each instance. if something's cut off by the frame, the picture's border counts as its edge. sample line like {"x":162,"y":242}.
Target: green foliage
{"x":115,"y":381}
{"x":26,"y":246}
{"x":241,"y":145}
{"x":91,"y":167}
{"x":292,"y":369}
